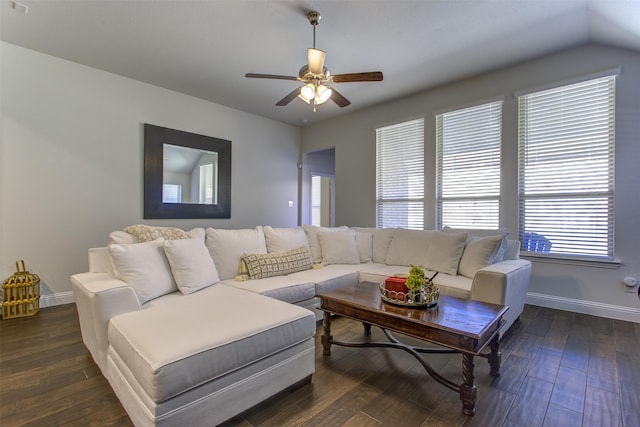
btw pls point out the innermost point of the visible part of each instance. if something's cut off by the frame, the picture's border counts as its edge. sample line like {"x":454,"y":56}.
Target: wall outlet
{"x":630,"y":284}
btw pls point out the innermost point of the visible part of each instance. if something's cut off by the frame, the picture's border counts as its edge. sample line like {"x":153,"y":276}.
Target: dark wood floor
{"x":559,"y":369}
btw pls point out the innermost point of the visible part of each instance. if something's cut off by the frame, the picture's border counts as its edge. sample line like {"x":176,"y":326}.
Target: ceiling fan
{"x":316,"y":77}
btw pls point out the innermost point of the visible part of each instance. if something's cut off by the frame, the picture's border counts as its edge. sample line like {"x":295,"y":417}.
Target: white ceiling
{"x":204,"y":48}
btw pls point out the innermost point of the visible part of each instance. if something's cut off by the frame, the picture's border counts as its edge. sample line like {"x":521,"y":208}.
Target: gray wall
{"x":72,"y":158}
{"x":581,"y":288}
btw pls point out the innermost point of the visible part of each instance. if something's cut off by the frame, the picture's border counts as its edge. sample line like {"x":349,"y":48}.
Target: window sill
{"x":585,"y":262}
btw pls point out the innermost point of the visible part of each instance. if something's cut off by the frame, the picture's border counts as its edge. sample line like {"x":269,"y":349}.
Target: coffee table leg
{"x":495,"y":357}
{"x":326,"y":336}
{"x":468,"y":389}
{"x":367,"y":328}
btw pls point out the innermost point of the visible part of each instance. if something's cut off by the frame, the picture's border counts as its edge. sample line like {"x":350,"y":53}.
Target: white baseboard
{"x":56,"y":299}
{"x":609,"y":311}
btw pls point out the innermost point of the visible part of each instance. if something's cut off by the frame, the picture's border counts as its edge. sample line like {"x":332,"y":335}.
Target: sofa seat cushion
{"x":456,"y":286}
{"x":327,"y":279}
{"x":284,"y":288}
{"x":183,"y":341}
{"x":377,"y":272}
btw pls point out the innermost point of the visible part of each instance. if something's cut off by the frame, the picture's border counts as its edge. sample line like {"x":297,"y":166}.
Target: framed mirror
{"x":186,"y":175}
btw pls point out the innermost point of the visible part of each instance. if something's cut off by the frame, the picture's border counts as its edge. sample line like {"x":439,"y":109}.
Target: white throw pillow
{"x":145,"y":267}
{"x":339,"y":247}
{"x":197,"y":233}
{"x":381,"y":240}
{"x":445,"y":251}
{"x":512,"y":251}
{"x":364,"y":245}
{"x":479,"y":252}
{"x":314,"y":243}
{"x":473,"y":233}
{"x":191,"y":264}
{"x":409,"y":247}
{"x":227,"y":247}
{"x":284,"y":239}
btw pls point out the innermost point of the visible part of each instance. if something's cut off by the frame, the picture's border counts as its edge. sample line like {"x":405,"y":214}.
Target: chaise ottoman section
{"x":172,"y":348}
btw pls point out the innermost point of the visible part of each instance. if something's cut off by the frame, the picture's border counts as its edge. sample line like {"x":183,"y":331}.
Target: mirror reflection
{"x":190,"y":175}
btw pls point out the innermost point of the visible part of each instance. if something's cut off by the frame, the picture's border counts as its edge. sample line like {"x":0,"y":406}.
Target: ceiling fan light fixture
{"x":323,"y":93}
{"x":307,"y":92}
{"x":314,"y":75}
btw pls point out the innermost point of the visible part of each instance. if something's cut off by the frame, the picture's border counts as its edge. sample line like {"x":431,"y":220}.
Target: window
{"x":566,"y":169}
{"x":400,"y":175}
{"x":206,"y":192}
{"x":468,"y":143}
{"x":316,"y":200}
{"x":171,"y":193}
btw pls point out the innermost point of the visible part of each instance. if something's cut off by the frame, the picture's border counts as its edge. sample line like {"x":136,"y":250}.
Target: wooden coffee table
{"x":461,"y":326}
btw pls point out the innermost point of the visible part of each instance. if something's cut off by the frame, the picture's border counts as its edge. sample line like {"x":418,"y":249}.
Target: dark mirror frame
{"x":154,"y":138}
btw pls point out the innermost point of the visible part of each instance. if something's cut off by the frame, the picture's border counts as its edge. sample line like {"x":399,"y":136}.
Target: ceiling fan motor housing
{"x":314,"y":17}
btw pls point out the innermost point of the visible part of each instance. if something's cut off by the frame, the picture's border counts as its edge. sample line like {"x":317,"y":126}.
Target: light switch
{"x":290,"y":203}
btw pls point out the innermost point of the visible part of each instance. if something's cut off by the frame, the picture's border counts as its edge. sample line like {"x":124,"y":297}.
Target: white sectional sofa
{"x":195,"y":327}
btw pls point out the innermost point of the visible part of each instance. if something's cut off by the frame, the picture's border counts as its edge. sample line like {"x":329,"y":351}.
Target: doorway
{"x":322,"y":200}
{"x":318,"y":188}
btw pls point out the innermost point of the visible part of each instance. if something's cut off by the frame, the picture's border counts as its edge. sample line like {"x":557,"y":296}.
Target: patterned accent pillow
{"x":147,"y":233}
{"x":261,"y":266}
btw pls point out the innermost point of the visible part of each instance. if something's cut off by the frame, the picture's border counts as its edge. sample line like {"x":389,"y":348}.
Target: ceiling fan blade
{"x":269,"y":76}
{"x":287,"y":99}
{"x":340,"y":100}
{"x":372,"y":76}
{"x":316,"y":60}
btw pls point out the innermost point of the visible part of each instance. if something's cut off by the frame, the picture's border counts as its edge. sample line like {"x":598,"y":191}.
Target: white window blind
{"x":468,"y":143}
{"x":206,"y":184}
{"x":171,"y":193}
{"x":400,"y":175}
{"x":566,"y":169}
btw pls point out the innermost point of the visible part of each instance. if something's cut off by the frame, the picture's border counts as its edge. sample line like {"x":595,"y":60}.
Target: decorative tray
{"x":425,"y":297}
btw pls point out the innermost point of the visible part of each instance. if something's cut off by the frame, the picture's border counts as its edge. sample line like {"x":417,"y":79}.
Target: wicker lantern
{"x":20,"y":294}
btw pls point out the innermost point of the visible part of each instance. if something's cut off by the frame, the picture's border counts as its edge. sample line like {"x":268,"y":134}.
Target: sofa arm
{"x":504,"y":283}
{"x":99,"y":297}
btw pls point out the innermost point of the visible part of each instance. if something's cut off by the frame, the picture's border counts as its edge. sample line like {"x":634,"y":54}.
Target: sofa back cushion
{"x":409,"y":247}
{"x":191,"y":265}
{"x":284,"y":239}
{"x":145,"y":267}
{"x":381,"y":240}
{"x":364,"y":245}
{"x":227,"y":247}
{"x":339,"y":247}
{"x":444,"y":251}
{"x":312,"y":238}
{"x":479,"y":253}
